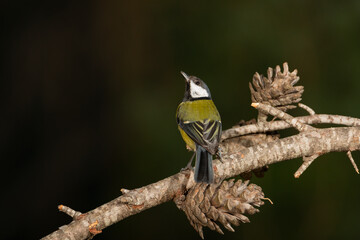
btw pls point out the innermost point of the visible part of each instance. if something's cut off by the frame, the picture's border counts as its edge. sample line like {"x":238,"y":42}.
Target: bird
{"x":200,"y":126}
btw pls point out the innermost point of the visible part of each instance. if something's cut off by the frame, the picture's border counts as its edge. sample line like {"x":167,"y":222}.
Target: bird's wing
{"x":205,"y":133}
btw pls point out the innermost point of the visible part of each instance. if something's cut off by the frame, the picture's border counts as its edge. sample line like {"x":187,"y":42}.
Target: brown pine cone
{"x":226,"y":203}
{"x":277,"y":90}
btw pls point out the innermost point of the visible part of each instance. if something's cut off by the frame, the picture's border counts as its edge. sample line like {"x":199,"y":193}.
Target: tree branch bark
{"x":280,"y":125}
{"x":307,"y":143}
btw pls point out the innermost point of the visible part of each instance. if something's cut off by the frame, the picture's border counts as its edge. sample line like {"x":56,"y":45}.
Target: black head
{"x":195,"y":88}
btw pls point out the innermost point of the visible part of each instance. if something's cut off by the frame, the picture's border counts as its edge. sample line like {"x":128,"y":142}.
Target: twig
{"x":352,"y":161}
{"x":124,"y":190}
{"x":307,"y":108}
{"x":280,"y":125}
{"x":306,"y":163}
{"x":282,"y":115}
{"x":72,"y":213}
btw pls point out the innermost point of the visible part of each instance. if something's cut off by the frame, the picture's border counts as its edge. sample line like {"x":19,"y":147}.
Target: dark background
{"x":88,"y":94}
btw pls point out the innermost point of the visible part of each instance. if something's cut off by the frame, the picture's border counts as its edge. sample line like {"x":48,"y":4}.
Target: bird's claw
{"x":219,"y":154}
{"x":186,"y":168}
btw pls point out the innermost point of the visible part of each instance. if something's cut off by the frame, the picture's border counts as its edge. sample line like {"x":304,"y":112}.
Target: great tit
{"x":199,"y":124}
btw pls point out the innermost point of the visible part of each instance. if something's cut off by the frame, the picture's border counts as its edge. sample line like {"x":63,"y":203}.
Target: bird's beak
{"x":185,"y":76}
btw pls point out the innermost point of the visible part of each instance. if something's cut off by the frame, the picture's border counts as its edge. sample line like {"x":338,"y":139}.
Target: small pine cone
{"x":277,"y":90}
{"x":225,"y":203}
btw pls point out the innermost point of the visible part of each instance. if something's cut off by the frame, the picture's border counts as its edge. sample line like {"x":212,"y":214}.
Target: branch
{"x":280,"y":125}
{"x":306,"y":163}
{"x":282,"y":115}
{"x":304,"y":144}
{"x":352,"y":161}
{"x":307,"y":108}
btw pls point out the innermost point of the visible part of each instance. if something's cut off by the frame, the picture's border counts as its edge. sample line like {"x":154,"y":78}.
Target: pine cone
{"x":279,"y":90}
{"x":225,"y":203}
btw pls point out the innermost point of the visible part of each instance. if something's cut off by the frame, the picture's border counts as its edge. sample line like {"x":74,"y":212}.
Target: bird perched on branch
{"x":200,"y":126}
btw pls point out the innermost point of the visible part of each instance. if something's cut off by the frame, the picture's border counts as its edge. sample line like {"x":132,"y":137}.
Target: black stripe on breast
{"x":202,"y":98}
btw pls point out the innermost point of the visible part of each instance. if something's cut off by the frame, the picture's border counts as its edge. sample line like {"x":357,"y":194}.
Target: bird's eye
{"x":197,"y":83}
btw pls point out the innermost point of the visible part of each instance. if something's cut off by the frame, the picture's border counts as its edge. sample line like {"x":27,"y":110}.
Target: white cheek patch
{"x":197,"y":92}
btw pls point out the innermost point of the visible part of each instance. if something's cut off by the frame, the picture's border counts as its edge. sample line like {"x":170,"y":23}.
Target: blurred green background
{"x":89,"y":91}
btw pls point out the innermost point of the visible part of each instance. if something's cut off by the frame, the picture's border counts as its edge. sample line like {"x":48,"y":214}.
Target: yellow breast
{"x":190,"y":144}
{"x":198,"y":110}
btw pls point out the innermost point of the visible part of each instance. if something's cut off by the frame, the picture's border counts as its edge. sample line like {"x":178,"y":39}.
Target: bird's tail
{"x":203,"y":167}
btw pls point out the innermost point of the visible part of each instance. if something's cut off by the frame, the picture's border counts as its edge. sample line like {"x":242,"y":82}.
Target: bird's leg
{"x":188,"y":166}
{"x":218,"y":154}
